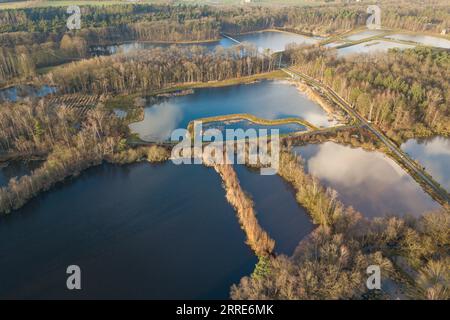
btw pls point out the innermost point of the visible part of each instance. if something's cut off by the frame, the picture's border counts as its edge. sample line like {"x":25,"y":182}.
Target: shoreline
{"x":316,"y":97}
{"x":273,"y":75}
{"x":280,"y":30}
{"x":156,"y":42}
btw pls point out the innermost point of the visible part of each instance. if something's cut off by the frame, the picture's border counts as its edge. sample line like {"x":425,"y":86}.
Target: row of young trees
{"x":258,"y":239}
{"x":404,"y":92}
{"x":159,"y":68}
{"x":331,"y":263}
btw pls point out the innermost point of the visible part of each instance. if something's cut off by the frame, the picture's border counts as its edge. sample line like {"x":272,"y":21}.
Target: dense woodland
{"x":159,"y":68}
{"x":258,"y":239}
{"x":404,"y":92}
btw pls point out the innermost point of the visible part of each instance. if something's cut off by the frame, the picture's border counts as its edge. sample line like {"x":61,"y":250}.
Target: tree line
{"x":258,"y":239}
{"x":406,"y":93}
{"x":417,"y":16}
{"x":23,"y":54}
{"x":159,"y":68}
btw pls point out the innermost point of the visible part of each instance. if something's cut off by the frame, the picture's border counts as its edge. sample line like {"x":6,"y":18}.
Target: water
{"x":21,"y":92}
{"x":266,"y":99}
{"x":222,"y":126}
{"x":129,"y":47}
{"x":364,"y":35}
{"x":121,"y":114}
{"x":434,"y":155}
{"x":16,"y":169}
{"x":137,"y":232}
{"x":275,"y":41}
{"x":426,"y":40}
{"x":334,"y":44}
{"x":369,"y":181}
{"x":374,"y":46}
{"x":277,"y":210}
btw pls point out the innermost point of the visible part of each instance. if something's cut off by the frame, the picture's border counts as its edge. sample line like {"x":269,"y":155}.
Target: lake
{"x":422,"y":39}
{"x":265,"y":99}
{"x":277,"y":209}
{"x":140,"y":231}
{"x":434,"y":155}
{"x":273,"y":40}
{"x":369,"y":181}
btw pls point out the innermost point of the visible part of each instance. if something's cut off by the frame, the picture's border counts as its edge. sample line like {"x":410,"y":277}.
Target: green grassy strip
{"x":253,"y":119}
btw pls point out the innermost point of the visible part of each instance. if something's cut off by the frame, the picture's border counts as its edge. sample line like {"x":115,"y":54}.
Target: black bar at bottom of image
{"x":226,"y":309}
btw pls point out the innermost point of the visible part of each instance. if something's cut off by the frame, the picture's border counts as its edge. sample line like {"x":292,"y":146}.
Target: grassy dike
{"x":277,"y":74}
{"x":253,"y":119}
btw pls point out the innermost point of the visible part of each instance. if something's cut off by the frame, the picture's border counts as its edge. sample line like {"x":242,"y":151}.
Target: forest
{"x":160,"y":68}
{"x":234,"y":19}
{"x":406,"y":93}
{"x":32,"y":38}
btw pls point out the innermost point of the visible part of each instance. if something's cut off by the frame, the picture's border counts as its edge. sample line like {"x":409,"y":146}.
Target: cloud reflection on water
{"x":369,"y":181}
{"x":434,"y":155}
{"x":267,"y":99}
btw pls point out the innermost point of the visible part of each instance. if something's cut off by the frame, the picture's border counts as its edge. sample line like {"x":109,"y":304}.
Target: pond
{"x":374,"y":46}
{"x":369,"y":181}
{"x":21,"y":92}
{"x":265,"y":99}
{"x":434,"y":155}
{"x":16,"y":169}
{"x":273,"y":40}
{"x":277,"y":211}
{"x":140,"y":231}
{"x":422,"y":39}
